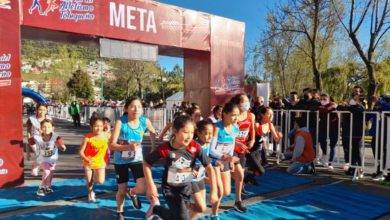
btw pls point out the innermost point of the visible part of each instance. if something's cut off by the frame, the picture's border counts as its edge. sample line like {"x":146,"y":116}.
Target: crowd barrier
{"x":284,"y":121}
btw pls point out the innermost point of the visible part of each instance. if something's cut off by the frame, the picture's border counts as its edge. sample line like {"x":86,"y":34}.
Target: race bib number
{"x":128,"y":155}
{"x":224,"y":148}
{"x":48,"y":152}
{"x":242,"y":134}
{"x":177,"y":177}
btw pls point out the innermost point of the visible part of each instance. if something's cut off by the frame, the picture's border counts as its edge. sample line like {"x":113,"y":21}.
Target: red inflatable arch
{"x":212,"y":48}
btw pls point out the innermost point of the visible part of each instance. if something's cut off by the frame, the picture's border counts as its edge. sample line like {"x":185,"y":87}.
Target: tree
{"x":314,"y":22}
{"x":80,"y":85}
{"x":131,"y":78}
{"x":377,"y":13}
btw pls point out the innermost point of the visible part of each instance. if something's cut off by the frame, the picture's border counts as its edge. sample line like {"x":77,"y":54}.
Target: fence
{"x":284,"y":119}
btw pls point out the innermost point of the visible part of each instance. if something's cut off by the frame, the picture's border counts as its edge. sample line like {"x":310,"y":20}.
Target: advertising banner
{"x":11,"y":139}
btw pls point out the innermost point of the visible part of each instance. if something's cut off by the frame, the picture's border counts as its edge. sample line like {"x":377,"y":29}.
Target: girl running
{"x":126,"y":144}
{"x":222,"y":149}
{"x":94,"y":152}
{"x":264,"y":127}
{"x":244,"y":142}
{"x":205,"y":134}
{"x":47,"y":144}
{"x":33,"y":125}
{"x":179,"y":154}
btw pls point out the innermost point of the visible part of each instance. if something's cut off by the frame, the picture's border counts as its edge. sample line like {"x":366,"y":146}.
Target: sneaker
{"x":48,"y":189}
{"x":214,"y":217}
{"x":149,"y":213}
{"x":91,"y":197}
{"x":378,"y":177}
{"x":330,"y":168}
{"x":239,"y":207}
{"x":134,"y":199}
{"x":41,"y":191}
{"x":120,"y":216}
{"x":250,"y":179}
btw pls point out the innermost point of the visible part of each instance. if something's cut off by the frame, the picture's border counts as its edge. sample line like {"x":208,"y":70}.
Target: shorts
{"x":86,"y":169}
{"x":198,"y":186}
{"x":122,"y":172}
{"x":242,"y":160}
{"x":226,"y":165}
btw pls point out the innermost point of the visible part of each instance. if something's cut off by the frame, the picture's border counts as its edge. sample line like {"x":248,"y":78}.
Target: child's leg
{"x":46,"y":174}
{"x":89,"y":177}
{"x":100,"y":175}
{"x":215,"y":206}
{"x":200,"y":203}
{"x":50,"y":179}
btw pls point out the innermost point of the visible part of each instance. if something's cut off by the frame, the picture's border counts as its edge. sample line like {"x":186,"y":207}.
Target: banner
{"x":131,"y":20}
{"x":11,"y":139}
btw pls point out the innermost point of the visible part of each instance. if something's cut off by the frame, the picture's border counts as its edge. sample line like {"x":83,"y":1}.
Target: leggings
{"x":47,"y":174}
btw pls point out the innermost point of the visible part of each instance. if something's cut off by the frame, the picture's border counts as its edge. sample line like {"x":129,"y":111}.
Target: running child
{"x":126,"y":143}
{"x":222,"y":148}
{"x":180,"y":155}
{"x":47,"y":144}
{"x":33,"y":125}
{"x":94,"y":152}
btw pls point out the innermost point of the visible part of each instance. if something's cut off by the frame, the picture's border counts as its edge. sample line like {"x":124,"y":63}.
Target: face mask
{"x":324,"y":102}
{"x":352,"y":102}
{"x":245,"y":106}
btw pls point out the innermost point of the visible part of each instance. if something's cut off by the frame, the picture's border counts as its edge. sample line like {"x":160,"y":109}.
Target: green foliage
{"x":80,"y":85}
{"x":252,"y":79}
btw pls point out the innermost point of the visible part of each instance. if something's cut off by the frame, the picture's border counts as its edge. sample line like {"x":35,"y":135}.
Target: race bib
{"x":48,"y":152}
{"x":179,"y":177}
{"x":224,"y":148}
{"x":128,"y":155}
{"x":242,"y":134}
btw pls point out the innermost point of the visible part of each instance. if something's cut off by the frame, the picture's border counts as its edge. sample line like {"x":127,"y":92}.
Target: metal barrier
{"x":282,"y":119}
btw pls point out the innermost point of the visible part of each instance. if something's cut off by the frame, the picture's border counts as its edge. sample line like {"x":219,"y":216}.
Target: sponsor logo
{"x":75,"y":10}
{"x":5,"y":4}
{"x":3,"y":171}
{"x":1,"y":162}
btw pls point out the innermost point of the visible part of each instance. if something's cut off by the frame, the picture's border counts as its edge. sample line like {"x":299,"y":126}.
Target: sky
{"x":252,"y":12}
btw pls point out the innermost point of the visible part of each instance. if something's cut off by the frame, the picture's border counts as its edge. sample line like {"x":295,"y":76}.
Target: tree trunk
{"x":316,"y":73}
{"x":372,"y":84}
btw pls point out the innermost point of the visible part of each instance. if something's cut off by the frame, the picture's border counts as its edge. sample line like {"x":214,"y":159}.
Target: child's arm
{"x":252,"y":132}
{"x":164,"y":131}
{"x":276,"y":135}
{"x":152,"y":132}
{"x":114,"y":139}
{"x":60,"y":144}
{"x":82,"y":149}
{"x":30,"y":140}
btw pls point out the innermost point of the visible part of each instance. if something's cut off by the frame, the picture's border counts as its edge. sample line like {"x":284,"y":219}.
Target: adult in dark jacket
{"x":356,"y":108}
{"x":326,"y":130}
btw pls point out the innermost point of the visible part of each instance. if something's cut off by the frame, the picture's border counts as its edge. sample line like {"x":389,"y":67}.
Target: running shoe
{"x":91,"y":197}
{"x":41,"y":191}
{"x":48,"y":189}
{"x":134,"y":199}
{"x":149,"y":213}
{"x":120,"y":216}
{"x":378,"y":177}
{"x":239,"y":207}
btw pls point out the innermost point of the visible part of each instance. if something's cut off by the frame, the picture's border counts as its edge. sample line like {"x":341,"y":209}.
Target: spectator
{"x":303,"y":153}
{"x":217,"y":114}
{"x":74,"y":111}
{"x":328,"y":130}
{"x":259,"y":103}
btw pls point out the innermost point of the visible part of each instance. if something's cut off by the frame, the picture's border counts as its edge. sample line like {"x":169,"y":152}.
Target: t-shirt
{"x":47,"y":150}
{"x":198,"y":165}
{"x":178,"y":163}
{"x":225,"y":141}
{"x":130,"y":135}
{"x":96,"y":150}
